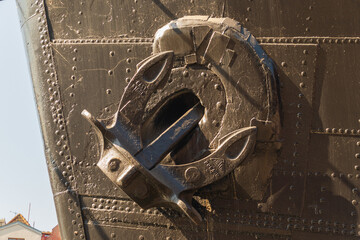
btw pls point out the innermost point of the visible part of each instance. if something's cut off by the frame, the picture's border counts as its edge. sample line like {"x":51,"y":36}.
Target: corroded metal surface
{"x":300,"y":180}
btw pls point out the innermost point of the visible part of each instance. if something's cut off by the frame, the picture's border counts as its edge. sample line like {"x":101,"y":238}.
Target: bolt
{"x":114,"y":165}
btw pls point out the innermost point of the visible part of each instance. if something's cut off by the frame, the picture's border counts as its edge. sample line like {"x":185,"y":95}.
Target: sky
{"x":23,"y":172}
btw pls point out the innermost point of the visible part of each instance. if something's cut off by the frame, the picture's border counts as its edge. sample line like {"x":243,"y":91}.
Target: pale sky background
{"x":23,"y":172}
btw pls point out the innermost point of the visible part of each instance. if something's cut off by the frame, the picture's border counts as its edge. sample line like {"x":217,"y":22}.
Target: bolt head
{"x":114,"y":164}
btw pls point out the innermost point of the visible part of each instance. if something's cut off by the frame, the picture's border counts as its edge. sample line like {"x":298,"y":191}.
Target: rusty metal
{"x":251,"y":135}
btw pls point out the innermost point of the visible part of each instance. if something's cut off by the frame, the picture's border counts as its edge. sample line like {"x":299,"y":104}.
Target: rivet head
{"x":283,"y":64}
{"x":354,"y":202}
{"x":114,"y":165}
{"x":192,"y":174}
{"x":357,"y":155}
{"x":217,"y":86}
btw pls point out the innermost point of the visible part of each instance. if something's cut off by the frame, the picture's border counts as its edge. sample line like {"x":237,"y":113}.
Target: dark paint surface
{"x":83,"y":55}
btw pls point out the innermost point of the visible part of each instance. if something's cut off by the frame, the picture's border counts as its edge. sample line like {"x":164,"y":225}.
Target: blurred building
{"x":19,"y":228}
{"x":53,"y":235}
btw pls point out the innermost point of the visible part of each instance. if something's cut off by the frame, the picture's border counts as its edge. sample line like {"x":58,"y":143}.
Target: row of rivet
{"x":289,"y":223}
{"x":117,"y":40}
{"x":262,"y":220}
{"x":355,"y":191}
{"x":314,"y":40}
{"x":57,"y":112}
{"x":281,"y":172}
{"x":336,"y":131}
{"x":127,"y":206}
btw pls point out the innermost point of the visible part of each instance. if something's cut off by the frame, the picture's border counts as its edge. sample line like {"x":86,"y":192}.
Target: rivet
{"x":108,"y":91}
{"x":305,"y":51}
{"x":283,"y":64}
{"x":80,"y":13}
{"x":112,"y":53}
{"x":358,"y":144}
{"x":74,"y":68}
{"x":246,"y":19}
{"x":354,"y":202}
{"x":128,"y":70}
{"x":185,"y":73}
{"x":127,"y":79}
{"x":302,"y":85}
{"x":333,"y":175}
{"x":71,"y":94}
{"x":248,"y":9}
{"x":141,"y":237}
{"x":75,"y":50}
{"x":203,"y":74}
{"x":218,"y":87}
{"x":354,"y":190}
{"x":128,"y":60}
{"x":110,"y":72}
{"x":357,"y":155}
{"x":303,"y":74}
